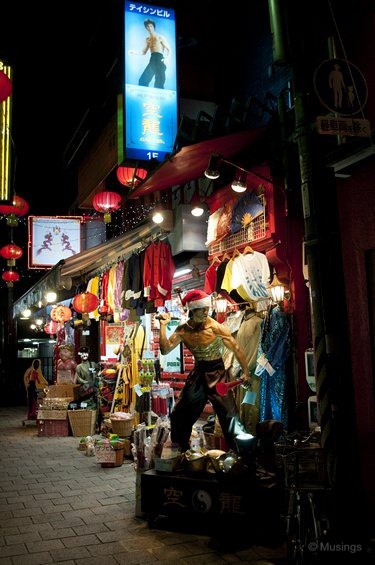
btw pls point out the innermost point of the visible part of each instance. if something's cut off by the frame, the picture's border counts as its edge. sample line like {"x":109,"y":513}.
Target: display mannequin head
{"x":84,"y":353}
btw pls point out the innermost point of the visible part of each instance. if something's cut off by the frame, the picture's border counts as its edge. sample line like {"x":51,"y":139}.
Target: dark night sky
{"x":59,"y":57}
{"x":48,"y":53}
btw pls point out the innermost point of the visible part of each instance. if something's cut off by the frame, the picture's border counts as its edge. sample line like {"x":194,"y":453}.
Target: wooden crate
{"x":52,"y":414}
{"x":63,"y":390}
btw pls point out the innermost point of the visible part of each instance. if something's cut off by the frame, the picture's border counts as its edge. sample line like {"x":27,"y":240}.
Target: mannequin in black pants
{"x":206,"y":339}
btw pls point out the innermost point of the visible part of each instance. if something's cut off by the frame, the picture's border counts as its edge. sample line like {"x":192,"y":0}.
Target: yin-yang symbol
{"x":202,"y":501}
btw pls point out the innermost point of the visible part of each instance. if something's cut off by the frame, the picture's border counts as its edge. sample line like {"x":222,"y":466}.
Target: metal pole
{"x":313,"y":246}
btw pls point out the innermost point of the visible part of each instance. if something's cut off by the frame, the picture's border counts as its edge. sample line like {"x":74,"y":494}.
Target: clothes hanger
{"x":236,"y":253}
{"x":248,"y":249}
{"x":215,"y":260}
{"x":226,"y":256}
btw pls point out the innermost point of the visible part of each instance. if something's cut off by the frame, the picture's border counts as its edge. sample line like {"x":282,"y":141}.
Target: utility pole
{"x":321,"y":243}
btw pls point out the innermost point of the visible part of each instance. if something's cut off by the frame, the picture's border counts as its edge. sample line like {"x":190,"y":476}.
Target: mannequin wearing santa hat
{"x":206,"y":339}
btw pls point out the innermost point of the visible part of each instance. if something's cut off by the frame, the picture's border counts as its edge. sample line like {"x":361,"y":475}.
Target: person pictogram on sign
{"x":337,"y":84}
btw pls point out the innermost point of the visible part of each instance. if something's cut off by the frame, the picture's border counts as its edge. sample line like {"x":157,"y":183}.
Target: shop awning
{"x":86,"y":264}
{"x":190,"y":162}
{"x":103,"y":256}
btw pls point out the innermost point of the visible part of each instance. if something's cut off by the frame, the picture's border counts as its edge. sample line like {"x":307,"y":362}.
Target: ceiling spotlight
{"x":197,"y":206}
{"x":51,"y":296}
{"x":197,"y":211}
{"x":157,"y":215}
{"x":212,"y":171}
{"x":239,"y":183}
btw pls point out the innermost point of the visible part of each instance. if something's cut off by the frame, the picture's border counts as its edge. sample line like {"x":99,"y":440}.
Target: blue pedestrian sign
{"x":340,"y":87}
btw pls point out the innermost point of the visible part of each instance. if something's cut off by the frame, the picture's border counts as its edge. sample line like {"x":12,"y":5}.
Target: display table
{"x":209,"y":498}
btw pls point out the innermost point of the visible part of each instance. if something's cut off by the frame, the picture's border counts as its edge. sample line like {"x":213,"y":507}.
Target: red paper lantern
{"x":11,"y":252}
{"x":50,"y":328}
{"x":5,"y":86}
{"x":107,"y":202}
{"x":85,"y":302}
{"x":10,"y":277}
{"x":130,"y":176}
{"x":61,"y":313}
{"x":19,"y":207}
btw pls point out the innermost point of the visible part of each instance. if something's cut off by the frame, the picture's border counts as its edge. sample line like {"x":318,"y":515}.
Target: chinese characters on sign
{"x":150,"y":87}
{"x":343,"y":126}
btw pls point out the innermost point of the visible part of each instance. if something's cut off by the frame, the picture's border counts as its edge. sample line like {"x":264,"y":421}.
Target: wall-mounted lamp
{"x":277,"y":290}
{"x":221,"y":305}
{"x":221,"y":308}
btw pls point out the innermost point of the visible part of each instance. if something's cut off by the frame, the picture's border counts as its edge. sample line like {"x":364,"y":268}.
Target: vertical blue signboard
{"x":150,"y":89}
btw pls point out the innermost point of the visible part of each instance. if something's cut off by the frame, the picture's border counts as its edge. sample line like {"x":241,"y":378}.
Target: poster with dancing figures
{"x":53,"y":238}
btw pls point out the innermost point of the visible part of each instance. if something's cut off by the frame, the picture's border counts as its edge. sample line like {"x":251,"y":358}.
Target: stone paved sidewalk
{"x":57,"y":505}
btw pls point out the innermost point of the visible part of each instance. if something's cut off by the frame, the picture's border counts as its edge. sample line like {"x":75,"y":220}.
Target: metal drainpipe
{"x":313,"y":247}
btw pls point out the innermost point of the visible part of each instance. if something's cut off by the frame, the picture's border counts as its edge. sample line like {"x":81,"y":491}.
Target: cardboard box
{"x":63,"y":391}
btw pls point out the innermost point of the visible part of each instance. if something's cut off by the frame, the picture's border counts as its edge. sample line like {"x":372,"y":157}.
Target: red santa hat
{"x":196,"y":299}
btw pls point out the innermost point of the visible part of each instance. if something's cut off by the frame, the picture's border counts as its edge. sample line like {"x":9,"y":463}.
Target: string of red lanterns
{"x":11,"y":252}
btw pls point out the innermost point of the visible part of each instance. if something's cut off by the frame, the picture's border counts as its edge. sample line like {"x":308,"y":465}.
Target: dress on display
{"x":273,"y":351}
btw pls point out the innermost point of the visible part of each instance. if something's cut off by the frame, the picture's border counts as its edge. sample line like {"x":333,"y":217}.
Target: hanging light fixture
{"x":10,"y":277}
{"x":197,"y":205}
{"x":158,"y":215}
{"x":85,"y":302}
{"x":11,"y":252}
{"x":130,"y":176}
{"x":239,"y":182}
{"x":19,"y":207}
{"x":212,"y":171}
{"x":107,"y":202}
{"x":61,"y":314}
{"x":50,"y":327}
{"x":277,"y":290}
